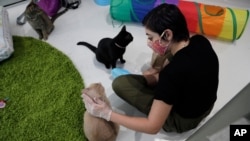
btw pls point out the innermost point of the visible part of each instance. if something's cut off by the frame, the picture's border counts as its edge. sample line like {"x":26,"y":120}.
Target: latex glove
{"x":97,"y":107}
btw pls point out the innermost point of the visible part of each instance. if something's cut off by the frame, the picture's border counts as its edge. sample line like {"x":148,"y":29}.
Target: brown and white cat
{"x":109,"y":50}
{"x":39,"y":20}
{"x":98,"y":129}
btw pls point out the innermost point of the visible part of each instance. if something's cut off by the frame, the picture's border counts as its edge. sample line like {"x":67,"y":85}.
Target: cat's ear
{"x":32,"y":2}
{"x":124,"y":28}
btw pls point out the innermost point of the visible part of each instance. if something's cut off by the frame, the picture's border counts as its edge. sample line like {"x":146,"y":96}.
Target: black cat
{"x":110,"y":50}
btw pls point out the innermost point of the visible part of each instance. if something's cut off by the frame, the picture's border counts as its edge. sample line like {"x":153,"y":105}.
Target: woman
{"x":182,"y":93}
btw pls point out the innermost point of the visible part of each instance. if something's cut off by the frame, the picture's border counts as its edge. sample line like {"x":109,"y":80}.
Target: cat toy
{"x":118,"y":71}
{"x":3,"y":103}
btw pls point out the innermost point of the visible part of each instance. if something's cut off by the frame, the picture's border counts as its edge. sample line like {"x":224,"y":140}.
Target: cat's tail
{"x":53,"y":18}
{"x":91,"y":47}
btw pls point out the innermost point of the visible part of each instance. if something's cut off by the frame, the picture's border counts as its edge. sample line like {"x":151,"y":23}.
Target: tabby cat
{"x":109,"y":50}
{"x":39,"y":20}
{"x":98,"y":129}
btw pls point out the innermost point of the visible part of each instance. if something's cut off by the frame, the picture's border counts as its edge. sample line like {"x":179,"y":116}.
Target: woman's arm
{"x":151,"y":124}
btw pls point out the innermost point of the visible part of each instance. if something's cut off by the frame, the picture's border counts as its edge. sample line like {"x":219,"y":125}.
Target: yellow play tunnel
{"x":221,"y":22}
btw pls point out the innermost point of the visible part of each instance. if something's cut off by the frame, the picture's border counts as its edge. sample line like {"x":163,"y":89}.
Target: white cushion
{"x":6,"y":42}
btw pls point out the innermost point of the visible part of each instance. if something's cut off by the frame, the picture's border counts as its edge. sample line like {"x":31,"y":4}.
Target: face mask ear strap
{"x":162,"y":35}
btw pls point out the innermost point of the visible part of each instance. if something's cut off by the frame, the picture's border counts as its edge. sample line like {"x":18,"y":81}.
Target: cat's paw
{"x":107,"y":66}
{"x":123,"y":61}
{"x":45,"y":38}
{"x":40,"y":37}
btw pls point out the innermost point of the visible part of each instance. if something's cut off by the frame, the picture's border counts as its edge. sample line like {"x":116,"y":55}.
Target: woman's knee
{"x":118,"y":84}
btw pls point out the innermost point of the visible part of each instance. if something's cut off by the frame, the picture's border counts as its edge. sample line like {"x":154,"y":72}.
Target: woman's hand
{"x":150,"y":71}
{"x":151,"y":75}
{"x":152,"y":79}
{"x":97,"y":107}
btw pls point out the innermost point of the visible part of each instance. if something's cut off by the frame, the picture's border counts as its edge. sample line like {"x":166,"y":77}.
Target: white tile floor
{"x":91,"y":22}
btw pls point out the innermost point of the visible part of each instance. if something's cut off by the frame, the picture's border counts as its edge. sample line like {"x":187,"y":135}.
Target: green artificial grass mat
{"x":44,"y":91}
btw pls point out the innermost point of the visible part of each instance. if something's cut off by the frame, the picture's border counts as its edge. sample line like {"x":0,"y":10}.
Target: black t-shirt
{"x":190,"y":81}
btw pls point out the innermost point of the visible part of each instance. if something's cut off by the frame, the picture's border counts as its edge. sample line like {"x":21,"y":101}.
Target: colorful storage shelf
{"x":220,"y":22}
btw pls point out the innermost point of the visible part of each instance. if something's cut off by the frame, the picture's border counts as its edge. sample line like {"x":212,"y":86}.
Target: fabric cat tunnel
{"x":219,"y":22}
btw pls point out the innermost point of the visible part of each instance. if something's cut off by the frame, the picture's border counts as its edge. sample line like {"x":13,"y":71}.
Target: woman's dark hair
{"x":167,"y":16}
